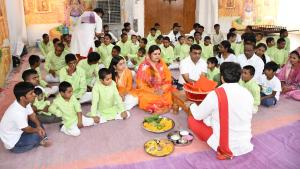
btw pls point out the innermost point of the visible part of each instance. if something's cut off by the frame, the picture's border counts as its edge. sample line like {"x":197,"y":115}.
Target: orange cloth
{"x":202,"y":85}
{"x":124,"y":82}
{"x":150,"y":79}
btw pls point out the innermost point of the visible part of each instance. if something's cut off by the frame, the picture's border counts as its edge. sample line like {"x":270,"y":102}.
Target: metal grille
{"x":112,"y":11}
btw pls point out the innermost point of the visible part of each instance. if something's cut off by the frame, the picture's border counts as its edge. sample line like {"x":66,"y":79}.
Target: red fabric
{"x":83,"y":57}
{"x":223,"y":152}
{"x":201,"y":130}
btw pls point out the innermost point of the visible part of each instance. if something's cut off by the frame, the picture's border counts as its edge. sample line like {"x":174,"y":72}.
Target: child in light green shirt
{"x":251,"y":85}
{"x":236,"y":47}
{"x":76,"y":77}
{"x":284,"y":34}
{"x":134,"y":45}
{"x":271,"y":47}
{"x":107,"y":105}
{"x":41,"y":107}
{"x":68,"y":107}
{"x":167,"y":51}
{"x":213,"y":72}
{"x":152,"y":35}
{"x":55,"y":61}
{"x":105,"y":50}
{"x":138,"y":58}
{"x":280,"y":55}
{"x":45,"y":46}
{"x":157,"y":28}
{"x":207,"y":48}
{"x":181,"y":49}
{"x":90,"y":67}
{"x":125,"y":45}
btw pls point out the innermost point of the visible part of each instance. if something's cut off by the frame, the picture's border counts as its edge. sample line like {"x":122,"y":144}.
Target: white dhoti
{"x":86,"y":97}
{"x":51,"y":90}
{"x":130,"y":101}
{"x":118,"y":117}
{"x":174,"y":65}
{"x":74,"y":130}
{"x":51,"y":79}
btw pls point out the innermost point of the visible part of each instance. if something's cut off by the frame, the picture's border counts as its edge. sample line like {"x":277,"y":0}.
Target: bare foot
{"x":46,"y":143}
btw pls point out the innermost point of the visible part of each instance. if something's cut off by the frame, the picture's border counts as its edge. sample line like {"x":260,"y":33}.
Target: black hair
{"x":144,"y":40}
{"x":207,"y":38}
{"x":99,"y":10}
{"x":93,"y":57}
{"x":55,"y":40}
{"x":202,"y":27}
{"x":152,"y":29}
{"x":126,"y":24}
{"x":263,"y":56}
{"x":191,"y":37}
{"x":160,"y":37}
{"x":180,"y":37}
{"x":259,"y":33}
{"x":69,"y":58}
{"x":123,"y":35}
{"x":195,"y":47}
{"x":27,"y":73}
{"x":38,"y":91}
{"x":249,"y":38}
{"x":117,"y":48}
{"x":269,"y":40}
{"x":231,"y":30}
{"x":250,"y":68}
{"x":280,"y":40}
{"x":114,"y":61}
{"x":196,"y":25}
{"x":61,"y":45}
{"x":44,"y":35}
{"x":156,"y":24}
{"x":296,"y":53}
{"x":282,"y":31}
{"x":271,"y":66}
{"x":231,"y":72}
{"x":21,"y":89}
{"x":108,"y":35}
{"x":216,"y":25}
{"x":153,"y":48}
{"x":226,"y":44}
{"x":143,"y":50}
{"x":63,"y":86}
{"x":33,"y":59}
{"x":230,"y":34}
{"x":212,"y":60}
{"x":103,"y":73}
{"x":105,"y":26}
{"x":197,"y":33}
{"x":97,"y":43}
{"x":166,"y":38}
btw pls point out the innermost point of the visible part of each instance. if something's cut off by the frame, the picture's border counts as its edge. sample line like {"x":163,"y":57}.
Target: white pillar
{"x":207,"y":13}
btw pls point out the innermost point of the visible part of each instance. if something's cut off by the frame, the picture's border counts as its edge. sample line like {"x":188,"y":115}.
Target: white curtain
{"x":207,"y":13}
{"x":16,"y":25}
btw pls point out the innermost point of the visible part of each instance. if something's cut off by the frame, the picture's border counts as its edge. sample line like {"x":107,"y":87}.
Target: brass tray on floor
{"x":159,"y":147}
{"x":158,"y":124}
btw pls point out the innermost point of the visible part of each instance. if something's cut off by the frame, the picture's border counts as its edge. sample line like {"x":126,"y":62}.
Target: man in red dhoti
{"x":223,"y":119}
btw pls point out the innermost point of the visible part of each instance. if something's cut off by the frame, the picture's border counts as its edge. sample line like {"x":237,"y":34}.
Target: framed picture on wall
{"x":42,"y":6}
{"x":230,"y":4}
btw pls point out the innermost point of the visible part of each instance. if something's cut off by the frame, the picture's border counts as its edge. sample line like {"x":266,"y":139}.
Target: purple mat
{"x":277,"y":149}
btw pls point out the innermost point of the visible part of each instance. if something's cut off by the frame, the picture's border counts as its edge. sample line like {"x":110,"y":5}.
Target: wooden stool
{"x":179,"y":99}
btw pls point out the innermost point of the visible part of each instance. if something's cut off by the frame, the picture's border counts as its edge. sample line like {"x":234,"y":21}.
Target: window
{"x":112,"y":11}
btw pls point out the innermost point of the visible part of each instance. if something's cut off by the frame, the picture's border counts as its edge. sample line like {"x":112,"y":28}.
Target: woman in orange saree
{"x":154,"y":83}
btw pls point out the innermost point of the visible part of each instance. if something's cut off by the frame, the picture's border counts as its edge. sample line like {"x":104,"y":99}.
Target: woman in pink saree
{"x":289,"y":76}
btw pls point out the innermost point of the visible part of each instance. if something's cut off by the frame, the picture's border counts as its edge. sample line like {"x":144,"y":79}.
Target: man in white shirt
{"x":174,"y":34}
{"x":250,"y":58}
{"x":128,"y":29}
{"x":228,"y":111}
{"x":217,"y":36}
{"x":192,"y":67}
{"x":89,"y":23}
{"x":20,"y":130}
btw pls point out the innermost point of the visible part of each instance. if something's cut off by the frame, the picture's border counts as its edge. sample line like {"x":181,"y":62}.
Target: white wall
{"x":139,"y":14}
{"x":35,"y":32}
{"x":207,"y":13}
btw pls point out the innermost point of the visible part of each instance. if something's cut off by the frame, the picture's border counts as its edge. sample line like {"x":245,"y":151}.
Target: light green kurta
{"x":105,"y":54}
{"x":167,"y":54}
{"x":91,"y":71}
{"x":280,"y":56}
{"x":254,"y":89}
{"x":207,"y":51}
{"x":287,"y":44}
{"x":55,"y":62}
{"x":46,"y":48}
{"x":158,"y":32}
{"x":151,"y":38}
{"x":66,"y":109}
{"x":77,"y":80}
{"x":138,"y":60}
{"x":271,"y":51}
{"x":214,"y":74}
{"x":43,"y":83}
{"x":106,"y":101}
{"x":181,"y":51}
{"x":125,"y":47}
{"x":40,"y":105}
{"x":238,"y":48}
{"x":134,"y":48}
